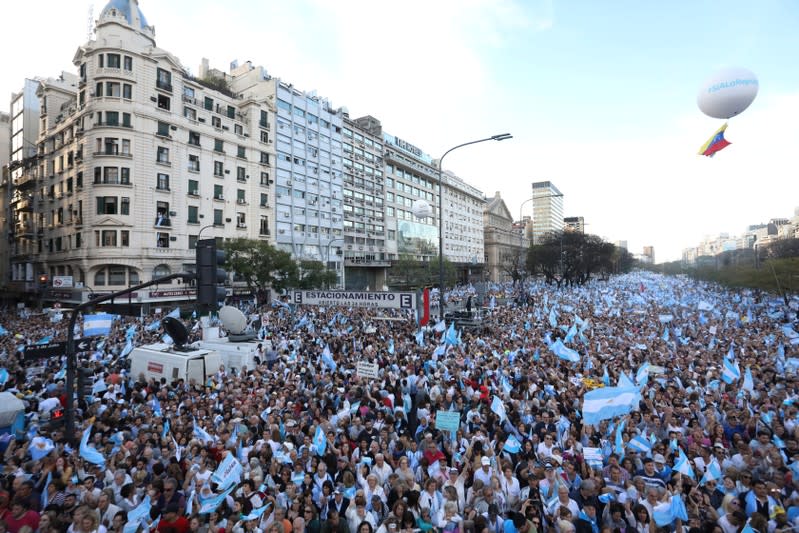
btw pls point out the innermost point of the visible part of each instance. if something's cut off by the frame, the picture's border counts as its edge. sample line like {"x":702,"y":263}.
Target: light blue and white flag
{"x":97,"y":324}
{"x":327,"y":359}
{"x":130,"y":332}
{"x":40,"y":447}
{"x":667,"y":512}
{"x":712,"y":472}
{"x":512,"y":445}
{"x":228,"y":472}
{"x":3,"y":331}
{"x":90,"y":453}
{"x":127,"y":349}
{"x":618,"y":447}
{"x":451,"y":336}
{"x":553,"y":318}
{"x":640,"y":444}
{"x":731,"y":373}
{"x":319,"y":441}
{"x":748,"y":383}
{"x":153,"y":326}
{"x":3,"y":376}
{"x":201,"y":434}
{"x":175,"y":313}
{"x":44,"y":491}
{"x":140,"y":512}
{"x":209,"y":505}
{"x":642,"y":376}
{"x":99,"y":387}
{"x":564,"y":352}
{"x":166,"y":429}
{"x":420,"y":338}
{"x":607,"y":402}
{"x":683,"y":465}
{"x":256,"y":513}
{"x":498,"y":408}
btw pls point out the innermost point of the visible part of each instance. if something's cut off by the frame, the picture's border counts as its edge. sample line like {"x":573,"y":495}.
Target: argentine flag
{"x":731,"y":373}
{"x":98,"y":324}
{"x":712,"y":473}
{"x":40,"y":447}
{"x":498,"y":408}
{"x":640,"y":444}
{"x":201,"y":434}
{"x":89,"y":453}
{"x":319,"y":441}
{"x":564,"y":352}
{"x":683,"y":465}
{"x":607,"y":402}
{"x":512,"y":445}
{"x":749,"y":383}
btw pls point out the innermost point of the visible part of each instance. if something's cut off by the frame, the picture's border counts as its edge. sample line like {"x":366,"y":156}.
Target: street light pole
{"x":500,"y":137}
{"x":327,"y":264}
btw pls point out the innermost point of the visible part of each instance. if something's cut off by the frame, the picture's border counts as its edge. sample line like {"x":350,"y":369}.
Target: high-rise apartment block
{"x":547,"y":210}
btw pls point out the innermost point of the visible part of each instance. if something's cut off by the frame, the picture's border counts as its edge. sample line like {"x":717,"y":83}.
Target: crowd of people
{"x":315,"y":447}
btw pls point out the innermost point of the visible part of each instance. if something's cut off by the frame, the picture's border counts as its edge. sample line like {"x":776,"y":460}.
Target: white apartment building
{"x":136,"y":158}
{"x":463,"y":221}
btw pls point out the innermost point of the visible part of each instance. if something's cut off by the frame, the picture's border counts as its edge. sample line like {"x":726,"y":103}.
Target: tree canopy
{"x":571,"y":258}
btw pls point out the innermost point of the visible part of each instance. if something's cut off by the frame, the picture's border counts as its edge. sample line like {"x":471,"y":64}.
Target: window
{"x":162,"y":155}
{"x":116,"y":275}
{"x":264,"y":200}
{"x":264,"y":136}
{"x":231,"y":112}
{"x":218,"y":192}
{"x":126,"y":120}
{"x":216,"y":122}
{"x":163,"y":102}
{"x":241,"y":174}
{"x":194,"y":138}
{"x":263,"y":121}
{"x":133,"y":275}
{"x":111,"y":118}
{"x":124,"y":176}
{"x":218,"y":217}
{"x":282,"y":104}
{"x":162,"y":182}
{"x":219,"y":145}
{"x":241,"y":152}
{"x":161,"y":270}
{"x":194,"y":163}
{"x":108,"y":238}
{"x":125,"y":147}
{"x":113,"y":89}
{"x":164,"y":80}
{"x":188,"y":92}
{"x":240,"y":198}
{"x":162,"y":240}
{"x":124,"y":206}
{"x":192,"y":242}
{"x":163,"y":129}
{"x":219,"y":168}
{"x":238,"y":129}
{"x":241,"y":220}
{"x":189,"y":113}
{"x":209,"y":103}
{"x":106,"y":205}
{"x":128,"y":63}
{"x":193,"y":217}
{"x":111,"y":175}
{"x":99,"y":277}
{"x":194,"y":187}
{"x":264,"y":158}
{"x":264,"y":227}
{"x":162,"y":214}
{"x":264,"y":178}
{"x":112,"y":60}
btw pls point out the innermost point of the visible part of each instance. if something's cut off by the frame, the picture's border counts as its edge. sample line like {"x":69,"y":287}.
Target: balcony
{"x":364,"y":262}
{"x":112,"y":153}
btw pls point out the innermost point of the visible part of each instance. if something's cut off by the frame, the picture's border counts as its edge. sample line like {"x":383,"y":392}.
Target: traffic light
{"x":57,"y":418}
{"x":43,"y":279}
{"x":85,"y":382}
{"x":210,"y":277}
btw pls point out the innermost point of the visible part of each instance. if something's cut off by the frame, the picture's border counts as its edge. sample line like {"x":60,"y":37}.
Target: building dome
{"x":127,"y":9}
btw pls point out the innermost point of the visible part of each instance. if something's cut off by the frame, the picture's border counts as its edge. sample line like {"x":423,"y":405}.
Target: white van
{"x":234,"y":354}
{"x":163,"y":361}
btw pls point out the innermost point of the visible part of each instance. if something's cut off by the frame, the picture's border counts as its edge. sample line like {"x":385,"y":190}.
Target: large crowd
{"x":317,"y":448}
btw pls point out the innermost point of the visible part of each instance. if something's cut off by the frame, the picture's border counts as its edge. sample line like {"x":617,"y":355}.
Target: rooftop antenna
{"x":90,"y":23}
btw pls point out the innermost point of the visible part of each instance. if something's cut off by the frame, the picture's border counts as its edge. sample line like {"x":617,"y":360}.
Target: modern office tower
{"x":547,"y":210}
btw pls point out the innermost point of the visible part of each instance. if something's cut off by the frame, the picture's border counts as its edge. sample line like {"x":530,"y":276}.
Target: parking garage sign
{"x":383,"y":300}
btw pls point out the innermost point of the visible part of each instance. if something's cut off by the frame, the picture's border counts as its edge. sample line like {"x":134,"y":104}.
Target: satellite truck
{"x":202,"y":359}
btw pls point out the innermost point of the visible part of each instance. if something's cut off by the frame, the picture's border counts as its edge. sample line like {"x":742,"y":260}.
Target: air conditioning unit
{"x":228,"y":220}
{"x":200,"y":119}
{"x":241,"y":201}
{"x":225,"y":128}
{"x":246,"y":134}
{"x":173,"y":213}
{"x":153,"y":99}
{"x":220,"y":197}
{"x":227,"y":171}
{"x":173,"y":128}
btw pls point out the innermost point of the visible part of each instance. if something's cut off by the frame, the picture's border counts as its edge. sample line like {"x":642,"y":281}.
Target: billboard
{"x":384,"y":300}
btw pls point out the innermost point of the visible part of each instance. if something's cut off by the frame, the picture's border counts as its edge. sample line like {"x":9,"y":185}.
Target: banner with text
{"x":385,"y":300}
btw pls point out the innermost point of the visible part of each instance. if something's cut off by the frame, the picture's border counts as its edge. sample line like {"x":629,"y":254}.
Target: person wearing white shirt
{"x":457,"y":480}
{"x":431,"y":498}
{"x":381,"y":469}
{"x":510,"y":488}
{"x":544,"y":449}
{"x":486,"y":472}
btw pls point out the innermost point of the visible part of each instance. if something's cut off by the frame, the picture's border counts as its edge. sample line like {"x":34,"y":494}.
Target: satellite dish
{"x":232,"y":319}
{"x":175,"y":329}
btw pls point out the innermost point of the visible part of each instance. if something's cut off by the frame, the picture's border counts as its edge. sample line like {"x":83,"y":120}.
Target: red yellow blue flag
{"x":716,"y":143}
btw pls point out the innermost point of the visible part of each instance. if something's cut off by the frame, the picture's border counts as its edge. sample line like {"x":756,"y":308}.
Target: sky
{"x":600,"y":97}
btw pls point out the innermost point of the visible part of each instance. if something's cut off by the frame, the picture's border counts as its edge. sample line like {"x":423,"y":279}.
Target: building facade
{"x":464,"y":236}
{"x":547,"y":210}
{"x":574,"y":224}
{"x":135,"y":159}
{"x":504,"y":245}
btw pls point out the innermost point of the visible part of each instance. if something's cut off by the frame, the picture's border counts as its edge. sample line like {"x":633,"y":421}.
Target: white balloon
{"x":421,"y":209}
{"x":727,"y":93}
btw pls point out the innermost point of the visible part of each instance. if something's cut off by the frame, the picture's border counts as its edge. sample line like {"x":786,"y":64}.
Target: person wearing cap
{"x":661,"y":468}
{"x":338,"y":502}
{"x":457,"y":480}
{"x":485,"y":472}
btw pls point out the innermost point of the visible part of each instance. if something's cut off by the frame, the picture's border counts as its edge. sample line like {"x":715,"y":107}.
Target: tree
{"x":313,"y":275}
{"x":571,"y":258}
{"x":261,"y":266}
{"x":514,"y":265}
{"x":782,"y":248}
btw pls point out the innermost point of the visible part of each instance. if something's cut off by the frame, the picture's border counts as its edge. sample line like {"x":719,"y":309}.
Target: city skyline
{"x":614,"y":125}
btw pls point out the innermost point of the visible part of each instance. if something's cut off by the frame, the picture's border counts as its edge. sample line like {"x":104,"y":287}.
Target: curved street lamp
{"x":500,"y":137}
{"x":327,"y":262}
